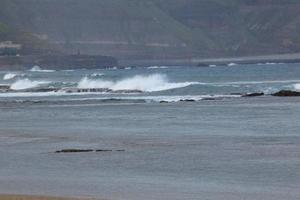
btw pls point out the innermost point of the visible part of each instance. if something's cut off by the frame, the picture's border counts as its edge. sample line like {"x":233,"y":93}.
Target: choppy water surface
{"x":221,"y":146}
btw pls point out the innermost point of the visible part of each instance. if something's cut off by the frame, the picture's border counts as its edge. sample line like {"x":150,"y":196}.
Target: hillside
{"x":155,"y":29}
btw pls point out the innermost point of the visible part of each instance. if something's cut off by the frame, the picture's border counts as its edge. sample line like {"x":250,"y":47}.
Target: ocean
{"x":172,"y":133}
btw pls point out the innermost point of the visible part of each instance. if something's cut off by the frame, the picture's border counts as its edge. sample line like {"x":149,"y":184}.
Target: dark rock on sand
{"x":286,"y":93}
{"x":87,"y":150}
{"x":256,"y":94}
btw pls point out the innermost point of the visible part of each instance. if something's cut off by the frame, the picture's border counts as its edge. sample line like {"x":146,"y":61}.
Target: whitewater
{"x":151,"y":84}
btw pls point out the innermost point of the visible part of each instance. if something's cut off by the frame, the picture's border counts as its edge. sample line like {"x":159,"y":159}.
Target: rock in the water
{"x":127,"y":91}
{"x":103,"y":150}
{"x":210,"y":99}
{"x":187,"y":100}
{"x":74,"y":151}
{"x":286,"y":93}
{"x":163,"y":101}
{"x":87,"y":150}
{"x":42,"y":90}
{"x":4,"y":88}
{"x":256,"y":94}
{"x":99,"y":90}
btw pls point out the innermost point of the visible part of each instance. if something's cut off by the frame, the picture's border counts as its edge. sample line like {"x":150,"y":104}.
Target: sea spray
{"x":157,"y":67}
{"x":97,"y":74}
{"x":150,"y":83}
{"x":23,"y":84}
{"x":297,"y":86}
{"x":39,"y":69}
{"x":9,"y":76}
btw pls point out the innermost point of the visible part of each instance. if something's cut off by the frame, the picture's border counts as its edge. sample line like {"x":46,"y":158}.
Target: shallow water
{"x":227,"y":148}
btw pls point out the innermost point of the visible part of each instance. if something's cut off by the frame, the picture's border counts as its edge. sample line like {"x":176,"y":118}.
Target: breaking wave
{"x":297,"y":86}
{"x":23,"y":84}
{"x":157,"y":67}
{"x":97,"y":74}
{"x":39,"y":69}
{"x":9,"y":76}
{"x":150,"y":83}
{"x":231,"y":64}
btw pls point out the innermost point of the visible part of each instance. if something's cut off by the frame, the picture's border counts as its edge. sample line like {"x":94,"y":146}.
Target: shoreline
{"x":219,"y":61}
{"x":63,"y":62}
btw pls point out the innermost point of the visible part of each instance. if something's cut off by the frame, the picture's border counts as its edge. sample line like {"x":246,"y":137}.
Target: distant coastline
{"x":207,"y":62}
{"x":265,"y":59}
{"x":92,"y":61}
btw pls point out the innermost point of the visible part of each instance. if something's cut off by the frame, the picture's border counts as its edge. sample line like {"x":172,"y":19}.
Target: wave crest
{"x":157,"y":67}
{"x":297,"y":86}
{"x":9,"y":76}
{"x":150,"y":83}
{"x":23,"y":84}
{"x":39,"y":69}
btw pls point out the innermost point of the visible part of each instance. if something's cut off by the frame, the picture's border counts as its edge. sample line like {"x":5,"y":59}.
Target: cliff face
{"x":158,"y":29}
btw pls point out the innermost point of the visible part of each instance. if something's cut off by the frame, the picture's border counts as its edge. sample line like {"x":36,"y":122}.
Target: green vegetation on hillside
{"x":154,"y":28}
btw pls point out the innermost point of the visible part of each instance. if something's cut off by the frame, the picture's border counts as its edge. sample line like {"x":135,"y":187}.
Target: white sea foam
{"x":112,"y":68}
{"x":150,"y":83}
{"x":23,"y":84}
{"x":161,"y":98}
{"x":68,"y":70}
{"x":39,"y":69}
{"x":297,"y":86}
{"x":34,"y":94}
{"x":157,"y":67}
{"x":231,"y":64}
{"x":9,"y":76}
{"x":183,"y":97}
{"x":96,"y":74}
{"x":271,"y":63}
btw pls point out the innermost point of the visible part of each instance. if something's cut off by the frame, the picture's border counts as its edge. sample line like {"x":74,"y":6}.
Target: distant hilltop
{"x":153,"y":29}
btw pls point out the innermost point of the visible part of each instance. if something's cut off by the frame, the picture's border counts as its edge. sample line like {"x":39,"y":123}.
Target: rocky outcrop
{"x":286,"y":93}
{"x":256,"y":94}
{"x":87,"y":150}
{"x":4,"y":88}
{"x":41,"y":90}
{"x":187,"y":100}
{"x":99,"y":90}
